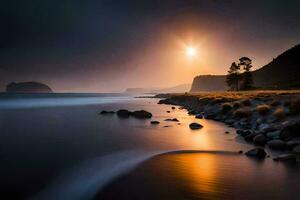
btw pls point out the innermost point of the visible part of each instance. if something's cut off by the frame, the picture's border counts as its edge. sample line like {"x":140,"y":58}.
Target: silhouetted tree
{"x":233,"y":77}
{"x":247,"y":79}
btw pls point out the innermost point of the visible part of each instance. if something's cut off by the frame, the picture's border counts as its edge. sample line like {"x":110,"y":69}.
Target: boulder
{"x":290,"y":130}
{"x":285,"y":158}
{"x":250,"y":136}
{"x":264,"y":128}
{"x":274,"y":134}
{"x":199,"y":116}
{"x":172,"y":120}
{"x":155,"y":122}
{"x":260,"y":139}
{"x":296,"y":150}
{"x":277,"y":144}
{"x":195,"y":126}
{"x":105,"y":112}
{"x":141,"y":114}
{"x":256,"y":153}
{"x":123,"y":113}
{"x":292,"y":143}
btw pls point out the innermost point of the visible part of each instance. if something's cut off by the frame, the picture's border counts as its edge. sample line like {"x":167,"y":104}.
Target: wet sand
{"x":206,"y":175}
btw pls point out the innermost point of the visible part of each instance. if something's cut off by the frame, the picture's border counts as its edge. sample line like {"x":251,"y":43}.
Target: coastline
{"x":263,"y":118}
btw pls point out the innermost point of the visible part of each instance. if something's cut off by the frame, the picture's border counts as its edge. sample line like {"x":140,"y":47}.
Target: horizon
{"x":108,"y":46}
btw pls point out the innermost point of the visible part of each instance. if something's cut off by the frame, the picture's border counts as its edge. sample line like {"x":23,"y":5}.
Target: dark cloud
{"x":78,"y":45}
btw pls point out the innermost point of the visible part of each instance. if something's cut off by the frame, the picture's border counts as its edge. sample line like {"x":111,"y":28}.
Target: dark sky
{"x":101,"y":46}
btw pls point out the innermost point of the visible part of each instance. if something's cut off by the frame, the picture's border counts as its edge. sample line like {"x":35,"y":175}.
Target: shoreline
{"x":263,"y":118}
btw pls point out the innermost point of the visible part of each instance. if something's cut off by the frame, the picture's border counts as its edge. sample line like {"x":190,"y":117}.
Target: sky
{"x":108,"y":46}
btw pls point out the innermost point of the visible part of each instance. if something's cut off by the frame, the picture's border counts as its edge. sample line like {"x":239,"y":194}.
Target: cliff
{"x":281,"y":73}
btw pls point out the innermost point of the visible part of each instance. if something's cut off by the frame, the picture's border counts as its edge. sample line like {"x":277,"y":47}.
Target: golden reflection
{"x":200,"y":172}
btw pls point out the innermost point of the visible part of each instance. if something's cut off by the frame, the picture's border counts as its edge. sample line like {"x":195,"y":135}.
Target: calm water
{"x":58,"y":147}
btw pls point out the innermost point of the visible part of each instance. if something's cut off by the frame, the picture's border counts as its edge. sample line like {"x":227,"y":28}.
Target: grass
{"x":279,"y":113}
{"x":243,"y":112}
{"x":263,"y":109}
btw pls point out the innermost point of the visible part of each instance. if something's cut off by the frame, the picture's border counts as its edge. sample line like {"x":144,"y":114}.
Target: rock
{"x":105,"y":112}
{"x":250,"y":136}
{"x":173,"y":108}
{"x":172,"y":120}
{"x":168,"y":111}
{"x":292,"y":143}
{"x":123,"y":113}
{"x":166,"y":126}
{"x":243,"y":133}
{"x":273,"y":135}
{"x":290,"y":130}
{"x":229,"y":121}
{"x":210,"y":116}
{"x":154,"y":122}
{"x":226,"y":132}
{"x":264,"y":128}
{"x":195,"y":126}
{"x":260,"y":139}
{"x":296,"y":150}
{"x":199,"y":116}
{"x":256,"y":153}
{"x":277,"y":144}
{"x":240,"y":152}
{"x":141,"y":114}
{"x":285,"y":158}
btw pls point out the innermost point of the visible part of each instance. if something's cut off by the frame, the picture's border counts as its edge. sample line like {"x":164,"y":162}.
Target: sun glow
{"x":191,"y":52}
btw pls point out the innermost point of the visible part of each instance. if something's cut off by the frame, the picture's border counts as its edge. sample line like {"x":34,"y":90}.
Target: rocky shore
{"x":269,"y":118}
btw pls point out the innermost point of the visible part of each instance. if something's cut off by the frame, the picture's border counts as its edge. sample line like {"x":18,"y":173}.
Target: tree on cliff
{"x":233,"y":77}
{"x":247,"y":79}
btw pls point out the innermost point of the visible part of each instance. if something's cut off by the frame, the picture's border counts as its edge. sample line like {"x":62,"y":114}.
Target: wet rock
{"x":251,"y":136}
{"x":292,"y":143}
{"x":285,"y":158}
{"x":264,"y":128}
{"x":210,"y":116}
{"x":256,"y":153}
{"x":277,"y":144}
{"x":273,"y":135}
{"x":296,"y":150}
{"x":123,"y":113}
{"x":290,"y":130}
{"x":105,"y":112}
{"x":141,"y":114}
{"x":260,"y":139}
{"x":243,"y":133}
{"x":154,"y":122}
{"x":199,"y":116}
{"x":195,"y":126}
{"x":172,"y":120}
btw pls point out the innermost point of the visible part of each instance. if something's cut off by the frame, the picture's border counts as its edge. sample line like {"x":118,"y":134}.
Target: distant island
{"x":281,"y":73}
{"x":28,"y":87}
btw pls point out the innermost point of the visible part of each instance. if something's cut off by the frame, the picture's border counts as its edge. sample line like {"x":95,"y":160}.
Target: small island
{"x":28,"y":87}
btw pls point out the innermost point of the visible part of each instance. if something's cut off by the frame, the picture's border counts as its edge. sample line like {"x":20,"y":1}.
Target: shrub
{"x":295,"y":107}
{"x":243,"y":112}
{"x":226,"y":107}
{"x":263,"y":109}
{"x":279,"y":113}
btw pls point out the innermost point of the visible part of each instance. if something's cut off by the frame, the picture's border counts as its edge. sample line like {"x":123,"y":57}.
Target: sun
{"x":191,"y":52}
